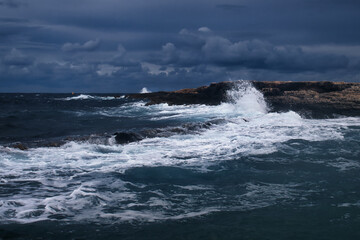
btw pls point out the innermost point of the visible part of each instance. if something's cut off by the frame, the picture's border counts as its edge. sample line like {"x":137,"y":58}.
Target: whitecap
{"x":89,"y":97}
{"x":68,"y":188}
{"x":144,"y":90}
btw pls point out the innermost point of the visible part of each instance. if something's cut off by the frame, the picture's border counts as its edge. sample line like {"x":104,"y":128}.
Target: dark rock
{"x":187,"y":128}
{"x":127,"y":137}
{"x":54,"y":144}
{"x":20,"y":146}
{"x":210,"y":95}
{"x":311,"y":99}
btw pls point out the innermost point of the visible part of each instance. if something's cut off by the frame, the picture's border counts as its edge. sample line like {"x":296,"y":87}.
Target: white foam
{"x":247,"y":99}
{"x":144,"y":90}
{"x":61,"y":170}
{"x":356,"y":204}
{"x":87,"y":97}
{"x":243,"y":100}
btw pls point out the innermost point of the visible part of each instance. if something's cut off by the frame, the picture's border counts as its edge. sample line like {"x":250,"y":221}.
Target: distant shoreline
{"x":321,"y":99}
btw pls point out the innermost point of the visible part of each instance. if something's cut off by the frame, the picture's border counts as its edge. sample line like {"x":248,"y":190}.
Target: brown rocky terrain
{"x":311,"y":99}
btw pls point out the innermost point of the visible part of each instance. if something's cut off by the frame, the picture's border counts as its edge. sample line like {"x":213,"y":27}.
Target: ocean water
{"x":232,"y":171}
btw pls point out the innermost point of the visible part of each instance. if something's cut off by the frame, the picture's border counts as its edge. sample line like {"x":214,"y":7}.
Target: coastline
{"x":320,"y":99}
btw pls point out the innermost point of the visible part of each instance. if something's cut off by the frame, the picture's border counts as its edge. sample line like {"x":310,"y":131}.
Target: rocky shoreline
{"x":310,"y":99}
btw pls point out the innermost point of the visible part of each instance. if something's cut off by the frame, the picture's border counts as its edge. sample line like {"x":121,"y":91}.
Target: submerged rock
{"x":20,"y":146}
{"x":187,"y":128}
{"x":311,"y":99}
{"x":127,"y":137}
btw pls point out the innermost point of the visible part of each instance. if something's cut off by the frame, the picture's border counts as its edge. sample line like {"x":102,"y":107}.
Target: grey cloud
{"x":121,"y":50}
{"x":90,"y":45}
{"x":17,"y":58}
{"x":169,"y":53}
{"x":121,"y":59}
{"x":11,"y":3}
{"x":204,"y":29}
{"x":231,"y":7}
{"x":12,"y":20}
{"x":258,"y":54}
{"x":250,"y":39}
{"x":351,"y":3}
{"x":10,"y":27}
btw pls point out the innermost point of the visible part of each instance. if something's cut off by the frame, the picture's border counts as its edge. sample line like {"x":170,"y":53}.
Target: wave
{"x":91,"y":203}
{"x":214,"y":143}
{"x":188,"y":128}
{"x":88,"y":97}
{"x":244,"y":97}
{"x":144,"y":90}
{"x":244,"y":100}
{"x":107,"y":181}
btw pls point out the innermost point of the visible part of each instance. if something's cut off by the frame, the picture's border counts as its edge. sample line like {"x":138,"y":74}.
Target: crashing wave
{"x":144,"y":90}
{"x":245,"y":97}
{"x":88,"y":97}
{"x":98,"y":180}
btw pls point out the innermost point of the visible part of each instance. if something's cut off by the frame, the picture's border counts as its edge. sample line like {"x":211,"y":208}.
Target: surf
{"x":91,"y":97}
{"x":104,"y":180}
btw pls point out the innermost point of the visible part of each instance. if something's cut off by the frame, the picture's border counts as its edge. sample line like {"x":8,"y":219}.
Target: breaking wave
{"x":108,"y":181}
{"x":91,"y":97}
{"x":144,"y":90}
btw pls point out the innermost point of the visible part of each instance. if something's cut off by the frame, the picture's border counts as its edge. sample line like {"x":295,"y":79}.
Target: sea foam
{"x":90,"y":97}
{"x":81,"y":180}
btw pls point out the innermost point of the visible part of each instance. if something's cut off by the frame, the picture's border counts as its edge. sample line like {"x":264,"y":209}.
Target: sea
{"x":232,"y":171}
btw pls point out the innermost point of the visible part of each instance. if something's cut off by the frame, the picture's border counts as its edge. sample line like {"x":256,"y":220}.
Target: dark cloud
{"x":17,"y":58}
{"x":212,"y":49}
{"x":55,"y":45}
{"x":90,"y":45}
{"x":11,"y":3}
{"x":331,"y":3}
{"x":12,"y":20}
{"x":231,"y":7}
{"x":10,"y":27}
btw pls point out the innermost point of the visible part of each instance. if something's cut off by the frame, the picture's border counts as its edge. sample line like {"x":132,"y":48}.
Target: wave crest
{"x":246,"y":98}
{"x":90,"y":97}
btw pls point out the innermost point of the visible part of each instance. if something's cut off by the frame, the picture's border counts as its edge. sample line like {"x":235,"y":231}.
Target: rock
{"x":20,"y":146}
{"x":210,"y":95}
{"x":127,"y":137}
{"x":187,"y":128}
{"x":54,"y":144}
{"x":311,"y":99}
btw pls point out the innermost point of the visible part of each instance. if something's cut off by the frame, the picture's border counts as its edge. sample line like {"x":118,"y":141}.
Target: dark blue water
{"x":270,"y":176}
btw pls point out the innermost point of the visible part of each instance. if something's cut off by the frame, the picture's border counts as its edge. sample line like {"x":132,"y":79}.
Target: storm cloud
{"x":17,"y":58}
{"x":11,"y":3}
{"x":122,"y":46}
{"x":90,"y":45}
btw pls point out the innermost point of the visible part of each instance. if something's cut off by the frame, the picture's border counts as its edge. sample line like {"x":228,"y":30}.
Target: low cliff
{"x":311,"y":99}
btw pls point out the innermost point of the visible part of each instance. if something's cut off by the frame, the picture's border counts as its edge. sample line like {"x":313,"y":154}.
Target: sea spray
{"x":229,"y":166}
{"x":91,"y":97}
{"x":246,"y":98}
{"x":144,"y":90}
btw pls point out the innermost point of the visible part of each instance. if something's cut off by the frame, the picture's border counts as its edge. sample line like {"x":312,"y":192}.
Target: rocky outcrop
{"x":187,"y":128}
{"x":311,"y":99}
{"x":209,"y":95}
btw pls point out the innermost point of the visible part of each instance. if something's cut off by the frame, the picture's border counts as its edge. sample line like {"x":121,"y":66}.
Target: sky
{"x":123,"y":46}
